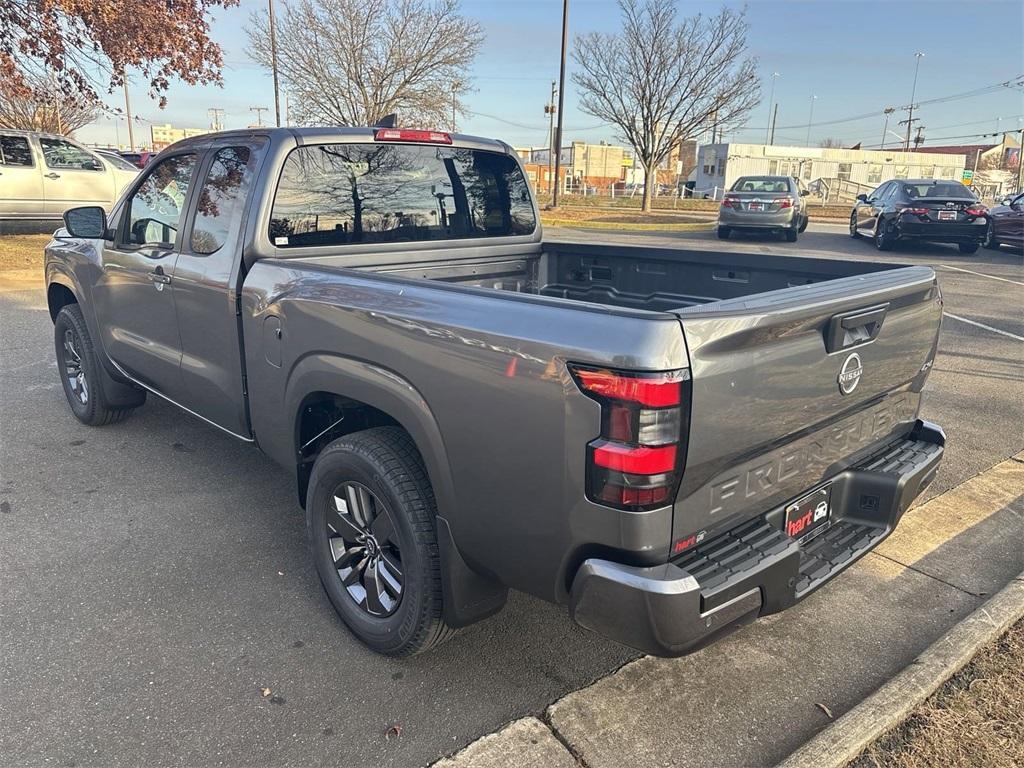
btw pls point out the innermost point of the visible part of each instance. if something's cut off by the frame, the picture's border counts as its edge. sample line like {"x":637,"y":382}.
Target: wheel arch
{"x":59,"y":293}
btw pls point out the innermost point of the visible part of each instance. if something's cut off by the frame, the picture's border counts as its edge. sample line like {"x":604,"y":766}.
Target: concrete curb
{"x":890,"y":705}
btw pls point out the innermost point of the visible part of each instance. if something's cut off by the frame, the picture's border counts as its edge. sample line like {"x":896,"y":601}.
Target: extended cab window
{"x":14,"y":150}
{"x":336,"y":194}
{"x":219,"y":208}
{"x":63,"y":154}
{"x":158,"y":204}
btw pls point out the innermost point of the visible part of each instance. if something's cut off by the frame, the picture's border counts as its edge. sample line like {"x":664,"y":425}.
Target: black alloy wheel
{"x":364,"y":547}
{"x":74,"y":371}
{"x":854,"y":232}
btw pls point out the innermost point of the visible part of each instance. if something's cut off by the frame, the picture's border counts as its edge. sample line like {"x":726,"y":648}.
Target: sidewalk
{"x":761,"y":693}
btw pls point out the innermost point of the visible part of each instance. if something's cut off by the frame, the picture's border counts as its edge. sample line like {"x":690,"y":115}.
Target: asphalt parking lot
{"x":155,"y":576}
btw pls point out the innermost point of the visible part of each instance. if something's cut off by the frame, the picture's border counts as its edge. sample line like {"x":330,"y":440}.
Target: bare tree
{"x":831,"y":143}
{"x":663,"y":80}
{"x":42,"y":105}
{"x":351,"y":62}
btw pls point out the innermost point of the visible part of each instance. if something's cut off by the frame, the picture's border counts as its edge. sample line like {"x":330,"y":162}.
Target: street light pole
{"x":771,"y":103}
{"x":128,"y":111}
{"x":561,"y":101}
{"x":913,"y":95}
{"x":273,"y":62}
{"x":887,"y":111}
{"x":810,"y":119}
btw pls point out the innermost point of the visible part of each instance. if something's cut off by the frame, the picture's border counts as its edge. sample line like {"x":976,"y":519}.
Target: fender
{"x":469,"y":596}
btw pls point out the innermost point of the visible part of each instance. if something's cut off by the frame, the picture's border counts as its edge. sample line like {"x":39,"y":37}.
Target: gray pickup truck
{"x":669,"y":442}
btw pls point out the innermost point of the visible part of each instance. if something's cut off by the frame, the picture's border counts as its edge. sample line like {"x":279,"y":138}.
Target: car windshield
{"x":760,"y":184}
{"x":937,"y":189}
{"x":117,"y":161}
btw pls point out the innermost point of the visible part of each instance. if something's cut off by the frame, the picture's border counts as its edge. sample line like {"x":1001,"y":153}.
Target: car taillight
{"x":730,"y":202}
{"x":785,"y":202}
{"x":404,"y":134}
{"x":637,"y":461}
{"x":915,"y":211}
{"x":976,"y":210}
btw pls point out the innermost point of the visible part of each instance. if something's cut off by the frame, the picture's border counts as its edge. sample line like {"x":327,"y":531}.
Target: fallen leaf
{"x":280,"y":573}
{"x":265,"y":692}
{"x":826,"y":710}
{"x":393,"y":732}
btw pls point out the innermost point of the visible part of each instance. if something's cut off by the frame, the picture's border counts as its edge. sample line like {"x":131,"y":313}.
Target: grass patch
{"x":975,"y":719}
{"x":22,"y":251}
{"x":623,"y":220}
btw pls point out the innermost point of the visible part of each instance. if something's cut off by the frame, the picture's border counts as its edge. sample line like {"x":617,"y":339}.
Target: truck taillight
{"x":637,"y":461}
{"x":405,"y":134}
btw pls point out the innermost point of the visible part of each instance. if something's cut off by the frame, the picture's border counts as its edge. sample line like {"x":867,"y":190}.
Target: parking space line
{"x":982,"y":325}
{"x":980,"y":274}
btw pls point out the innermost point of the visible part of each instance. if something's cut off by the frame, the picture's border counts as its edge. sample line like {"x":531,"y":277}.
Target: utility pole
{"x":913,"y":95}
{"x":771,"y":104}
{"x":128,"y":112}
{"x":561,"y":101}
{"x":273,"y":62}
{"x":216,"y":118}
{"x":810,"y":119}
{"x":887,"y":111}
{"x":919,"y":139}
{"x":259,"y":114}
{"x":456,"y":84}
{"x":549,"y":110}
{"x":775,"y":119}
{"x":1020,"y":163}
{"x":908,"y":122}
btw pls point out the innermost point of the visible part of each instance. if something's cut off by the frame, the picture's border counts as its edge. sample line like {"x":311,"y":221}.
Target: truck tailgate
{"x":790,"y":387}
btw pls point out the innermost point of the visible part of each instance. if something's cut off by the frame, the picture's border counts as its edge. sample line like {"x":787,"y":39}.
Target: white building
{"x":841,"y":173}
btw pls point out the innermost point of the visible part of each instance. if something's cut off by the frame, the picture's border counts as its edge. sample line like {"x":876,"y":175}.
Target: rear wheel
{"x":791,"y":235}
{"x":82,"y":375}
{"x":968,"y":248}
{"x":370,"y":514}
{"x":723,"y":233}
{"x":990,"y":241}
{"x":854,"y":232}
{"x":884,"y":238}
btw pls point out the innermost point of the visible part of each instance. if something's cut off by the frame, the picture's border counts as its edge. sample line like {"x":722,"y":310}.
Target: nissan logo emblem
{"x":849,"y":375}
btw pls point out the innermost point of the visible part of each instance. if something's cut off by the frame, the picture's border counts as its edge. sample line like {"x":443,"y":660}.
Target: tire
{"x":723,"y":233}
{"x":791,"y":235}
{"x":854,"y":232}
{"x":82,"y":375}
{"x":990,"y":240}
{"x":378,"y":471}
{"x":884,"y":240}
{"x":803,"y":224}
{"x":968,"y":248}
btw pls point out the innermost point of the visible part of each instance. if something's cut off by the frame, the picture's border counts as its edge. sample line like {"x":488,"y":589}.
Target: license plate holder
{"x":947,"y":215}
{"x":757,"y":206}
{"x":809,"y":513}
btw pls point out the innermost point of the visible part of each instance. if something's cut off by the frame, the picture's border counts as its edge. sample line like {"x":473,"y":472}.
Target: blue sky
{"x":857,"y":57}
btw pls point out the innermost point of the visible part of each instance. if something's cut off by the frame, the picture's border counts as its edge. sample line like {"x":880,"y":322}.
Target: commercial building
{"x":592,"y":165}
{"x":835,"y":173}
{"x":163,"y":136}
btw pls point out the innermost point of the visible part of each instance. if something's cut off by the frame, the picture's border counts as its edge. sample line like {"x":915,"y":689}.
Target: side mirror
{"x":1006,"y":201}
{"x":805,"y":193}
{"x":862,"y":198}
{"x":89,"y":221}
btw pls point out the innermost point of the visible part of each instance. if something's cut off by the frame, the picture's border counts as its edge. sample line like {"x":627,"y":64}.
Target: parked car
{"x":42,"y":175}
{"x":138,"y":159}
{"x":1006,"y":223}
{"x":920,"y":209}
{"x":117,"y":160}
{"x":668,"y":442}
{"x":772,"y":204}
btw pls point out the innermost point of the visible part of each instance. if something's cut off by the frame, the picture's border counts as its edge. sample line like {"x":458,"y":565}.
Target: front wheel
{"x":803,"y":224}
{"x":854,"y":232}
{"x":82,"y":375}
{"x":370,"y":515}
{"x":968,"y":248}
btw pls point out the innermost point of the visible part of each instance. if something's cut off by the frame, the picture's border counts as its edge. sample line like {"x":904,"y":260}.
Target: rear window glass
{"x":760,"y":184}
{"x":337,"y":194}
{"x":14,"y":150}
{"x":938,"y":189}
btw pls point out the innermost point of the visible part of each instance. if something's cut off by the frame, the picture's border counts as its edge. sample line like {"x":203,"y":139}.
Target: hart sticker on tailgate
{"x":809,"y":513}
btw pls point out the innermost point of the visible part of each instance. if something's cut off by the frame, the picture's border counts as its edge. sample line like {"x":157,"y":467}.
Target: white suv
{"x":42,"y":175}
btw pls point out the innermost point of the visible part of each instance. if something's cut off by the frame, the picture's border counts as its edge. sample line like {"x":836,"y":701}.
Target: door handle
{"x":52,"y":175}
{"x":855,"y":327}
{"x":159,"y":279}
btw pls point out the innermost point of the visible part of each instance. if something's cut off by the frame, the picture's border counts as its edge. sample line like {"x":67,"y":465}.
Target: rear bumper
{"x":727,"y":217}
{"x":755,"y":569}
{"x":938,"y":232}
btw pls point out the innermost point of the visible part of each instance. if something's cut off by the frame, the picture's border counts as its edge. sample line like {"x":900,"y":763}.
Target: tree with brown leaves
{"x":42,"y":106}
{"x":88,"y":44}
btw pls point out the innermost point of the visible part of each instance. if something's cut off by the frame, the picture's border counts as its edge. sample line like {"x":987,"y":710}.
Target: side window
{"x":14,"y":150}
{"x":157,"y":207}
{"x":881,"y":192}
{"x":59,"y":153}
{"x":221,"y":199}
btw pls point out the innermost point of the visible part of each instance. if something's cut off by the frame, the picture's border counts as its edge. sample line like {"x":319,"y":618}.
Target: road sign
{"x":968,"y":177}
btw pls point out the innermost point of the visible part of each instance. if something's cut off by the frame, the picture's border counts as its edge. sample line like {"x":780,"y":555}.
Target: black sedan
{"x":920,"y":209}
{"x":1006,"y":223}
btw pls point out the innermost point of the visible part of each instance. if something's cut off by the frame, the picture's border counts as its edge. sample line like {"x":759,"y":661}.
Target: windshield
{"x":761,"y":184}
{"x":117,"y":161}
{"x":335,"y":194}
{"x":937,"y":189}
